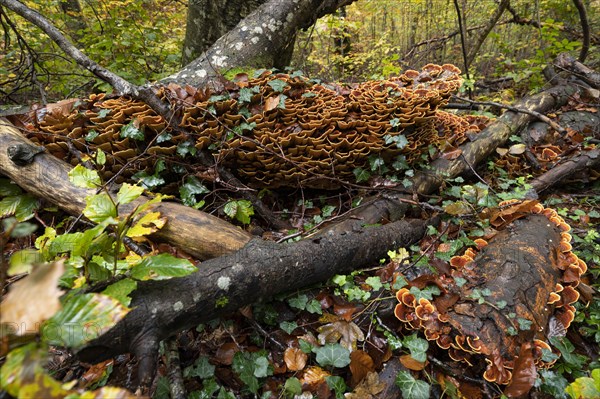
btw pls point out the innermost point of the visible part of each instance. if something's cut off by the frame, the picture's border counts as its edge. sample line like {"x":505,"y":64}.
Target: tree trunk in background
{"x":261,"y":40}
{"x":74,"y":21}
{"x":208,"y":20}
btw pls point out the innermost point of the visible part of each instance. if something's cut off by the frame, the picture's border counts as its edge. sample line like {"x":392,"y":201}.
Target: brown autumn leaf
{"x":347,"y":333}
{"x":271,"y":103}
{"x":33,"y":299}
{"x":503,"y":217}
{"x":360,"y":365}
{"x":95,"y":373}
{"x":225,"y":353}
{"x":501,"y":151}
{"x":295,"y":359}
{"x":410,"y":363}
{"x":368,"y":388}
{"x":314,"y":375}
{"x":345,"y":310}
{"x":451,"y":154}
{"x":524,"y":373}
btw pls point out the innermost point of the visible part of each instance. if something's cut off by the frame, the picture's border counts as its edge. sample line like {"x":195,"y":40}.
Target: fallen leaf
{"x":271,"y":103}
{"x":314,"y":375}
{"x":369,"y":387}
{"x":95,"y":373}
{"x":225,"y":353}
{"x":524,"y":373}
{"x":517,"y":149}
{"x":33,"y":300}
{"x":347,"y":333}
{"x":410,"y":363}
{"x":501,"y":151}
{"x":361,"y":364}
{"x":295,"y":359}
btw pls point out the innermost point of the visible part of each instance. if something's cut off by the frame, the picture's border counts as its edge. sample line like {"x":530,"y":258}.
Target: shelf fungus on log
{"x":502,"y":297}
{"x":273,"y":130}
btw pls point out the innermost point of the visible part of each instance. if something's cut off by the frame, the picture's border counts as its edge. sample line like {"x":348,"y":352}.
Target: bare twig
{"x":585,"y":28}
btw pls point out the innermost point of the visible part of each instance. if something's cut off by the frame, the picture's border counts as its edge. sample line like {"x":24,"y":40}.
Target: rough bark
{"x":258,"y":271}
{"x":257,"y":41}
{"x":46,"y":177}
{"x":208,"y":20}
{"x":490,"y":138}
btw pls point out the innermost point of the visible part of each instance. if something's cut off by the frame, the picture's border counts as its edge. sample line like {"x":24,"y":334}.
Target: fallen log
{"x":490,"y":138}
{"x":47,"y":177}
{"x":221,"y":285}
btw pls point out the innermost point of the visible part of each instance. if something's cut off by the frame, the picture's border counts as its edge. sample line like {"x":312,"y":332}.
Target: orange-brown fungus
{"x":274,"y":130}
{"x":439,"y":326}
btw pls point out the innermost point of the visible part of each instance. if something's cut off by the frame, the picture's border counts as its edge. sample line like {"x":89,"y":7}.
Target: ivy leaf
{"x":83,"y":177}
{"x":99,"y":208}
{"x":288,"y":326}
{"x":201,"y":369}
{"x":337,"y":384}
{"x":100,"y":157}
{"x":410,"y":387}
{"x":190,"y":189}
{"x":361,"y":175}
{"x":332,"y":355}
{"x":298,"y":302}
{"x":128,"y":193}
{"x":417,"y":346}
{"x":277,"y":85}
{"x":132,"y":131}
{"x":162,"y":266}
{"x":314,"y":307}
{"x":103,"y":113}
{"x":245,"y":95}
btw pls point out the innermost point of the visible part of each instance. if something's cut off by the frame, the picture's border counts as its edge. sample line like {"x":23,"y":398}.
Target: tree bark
{"x":47,"y":177}
{"x":257,"y":41}
{"x":258,"y":271}
{"x":208,"y":20}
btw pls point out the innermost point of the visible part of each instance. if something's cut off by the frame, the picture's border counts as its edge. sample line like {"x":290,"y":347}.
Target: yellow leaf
{"x":148,"y":224}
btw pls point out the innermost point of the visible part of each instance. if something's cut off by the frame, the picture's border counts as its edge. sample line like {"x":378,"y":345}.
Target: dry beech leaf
{"x":368,"y":388}
{"x":361,"y":364}
{"x":345,"y":311}
{"x":34,"y":299}
{"x":347,"y":333}
{"x":314,"y":375}
{"x":501,"y":151}
{"x":524,"y":373}
{"x":517,"y":149}
{"x":295,"y":359}
{"x":226,"y":352}
{"x":271,"y":103}
{"x":410,"y":363}
{"x":95,"y":373}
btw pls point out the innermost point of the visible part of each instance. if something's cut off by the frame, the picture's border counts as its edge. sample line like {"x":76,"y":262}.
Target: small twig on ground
{"x":175,"y":374}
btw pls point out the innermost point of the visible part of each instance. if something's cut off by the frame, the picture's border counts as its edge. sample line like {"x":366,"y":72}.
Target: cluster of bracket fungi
{"x":436,"y":323}
{"x":273,"y":130}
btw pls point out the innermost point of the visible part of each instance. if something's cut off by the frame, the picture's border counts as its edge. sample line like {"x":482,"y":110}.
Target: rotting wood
{"x":198,"y":233}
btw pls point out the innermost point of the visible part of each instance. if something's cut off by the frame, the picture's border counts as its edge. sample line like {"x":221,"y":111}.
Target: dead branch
{"x":47,"y":177}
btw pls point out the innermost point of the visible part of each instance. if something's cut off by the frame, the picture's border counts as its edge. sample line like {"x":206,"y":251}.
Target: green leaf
{"x":250,"y":367}
{"x":585,"y":387}
{"x":91,"y":135}
{"x":18,"y":229}
{"x":332,"y":355}
{"x":190,"y":189}
{"x":337,"y":384}
{"x":277,"y":85}
{"x":305,"y":346}
{"x":240,"y":210}
{"x":120,"y":290}
{"x":83,"y":177}
{"x":417,"y":346}
{"x":292,"y":386}
{"x":201,"y":369}
{"x":22,"y":206}
{"x":149,"y":182}
{"x":82,"y":319}
{"x":103,"y":113}
{"x":23,"y":260}
{"x":411,"y":388}
{"x":288,"y":326}
{"x":314,"y":307}
{"x":132,"y":132}
{"x":8,"y":188}
{"x":245,"y":95}
{"x":299,"y":302}
{"x":128,"y":193}
{"x":567,"y":349}
{"x":161,"y":267}
{"x":374,"y":282}
{"x":361,"y":175}
{"x":100,"y":208}
{"x":100,"y":157}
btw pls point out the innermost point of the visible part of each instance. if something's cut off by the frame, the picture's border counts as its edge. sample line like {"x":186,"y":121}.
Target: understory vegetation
{"x":333,"y":340}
